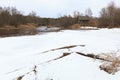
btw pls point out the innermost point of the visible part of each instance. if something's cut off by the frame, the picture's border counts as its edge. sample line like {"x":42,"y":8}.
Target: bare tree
{"x":88,"y":12}
{"x":109,"y":16}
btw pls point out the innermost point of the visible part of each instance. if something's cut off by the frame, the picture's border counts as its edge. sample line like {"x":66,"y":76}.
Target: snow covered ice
{"x":18,"y":55}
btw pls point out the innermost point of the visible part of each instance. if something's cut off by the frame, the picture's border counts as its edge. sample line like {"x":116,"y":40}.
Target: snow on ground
{"x":18,"y":55}
{"x":46,"y":29}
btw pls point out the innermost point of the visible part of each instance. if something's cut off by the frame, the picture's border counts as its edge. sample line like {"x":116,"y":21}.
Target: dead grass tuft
{"x":20,"y":77}
{"x":111,"y":64}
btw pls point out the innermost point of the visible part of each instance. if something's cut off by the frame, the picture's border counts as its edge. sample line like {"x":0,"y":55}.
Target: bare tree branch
{"x":93,"y":56}
{"x":66,"y":47}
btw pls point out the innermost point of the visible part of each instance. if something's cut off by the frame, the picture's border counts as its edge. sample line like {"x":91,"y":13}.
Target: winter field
{"x":22,"y":57}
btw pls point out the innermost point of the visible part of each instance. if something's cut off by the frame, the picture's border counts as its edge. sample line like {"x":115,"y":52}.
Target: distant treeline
{"x":109,"y":17}
{"x":11,"y":16}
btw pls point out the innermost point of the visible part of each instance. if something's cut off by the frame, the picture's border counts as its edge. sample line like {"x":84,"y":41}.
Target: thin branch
{"x":66,"y":47}
{"x":92,"y":56}
{"x":20,"y":77}
{"x":64,"y":54}
{"x":34,"y":69}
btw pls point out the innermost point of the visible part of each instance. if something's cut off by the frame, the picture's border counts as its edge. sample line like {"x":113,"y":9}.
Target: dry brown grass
{"x":75,"y":26}
{"x":34,"y":71}
{"x":27,"y":29}
{"x":112,"y":63}
{"x":7,"y":30}
{"x":20,"y":77}
{"x":29,"y":26}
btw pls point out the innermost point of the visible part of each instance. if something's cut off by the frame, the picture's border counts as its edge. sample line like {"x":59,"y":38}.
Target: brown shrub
{"x":75,"y":26}
{"x":93,"y":23}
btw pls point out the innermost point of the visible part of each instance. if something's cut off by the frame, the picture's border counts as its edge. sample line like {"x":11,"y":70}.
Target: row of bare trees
{"x":11,"y":16}
{"x":110,"y":16}
{"x":66,"y":21}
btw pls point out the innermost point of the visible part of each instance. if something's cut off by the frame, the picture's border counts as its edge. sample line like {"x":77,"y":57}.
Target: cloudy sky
{"x":56,"y":8}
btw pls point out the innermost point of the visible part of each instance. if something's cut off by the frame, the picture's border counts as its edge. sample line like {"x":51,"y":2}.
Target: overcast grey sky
{"x":56,"y":8}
